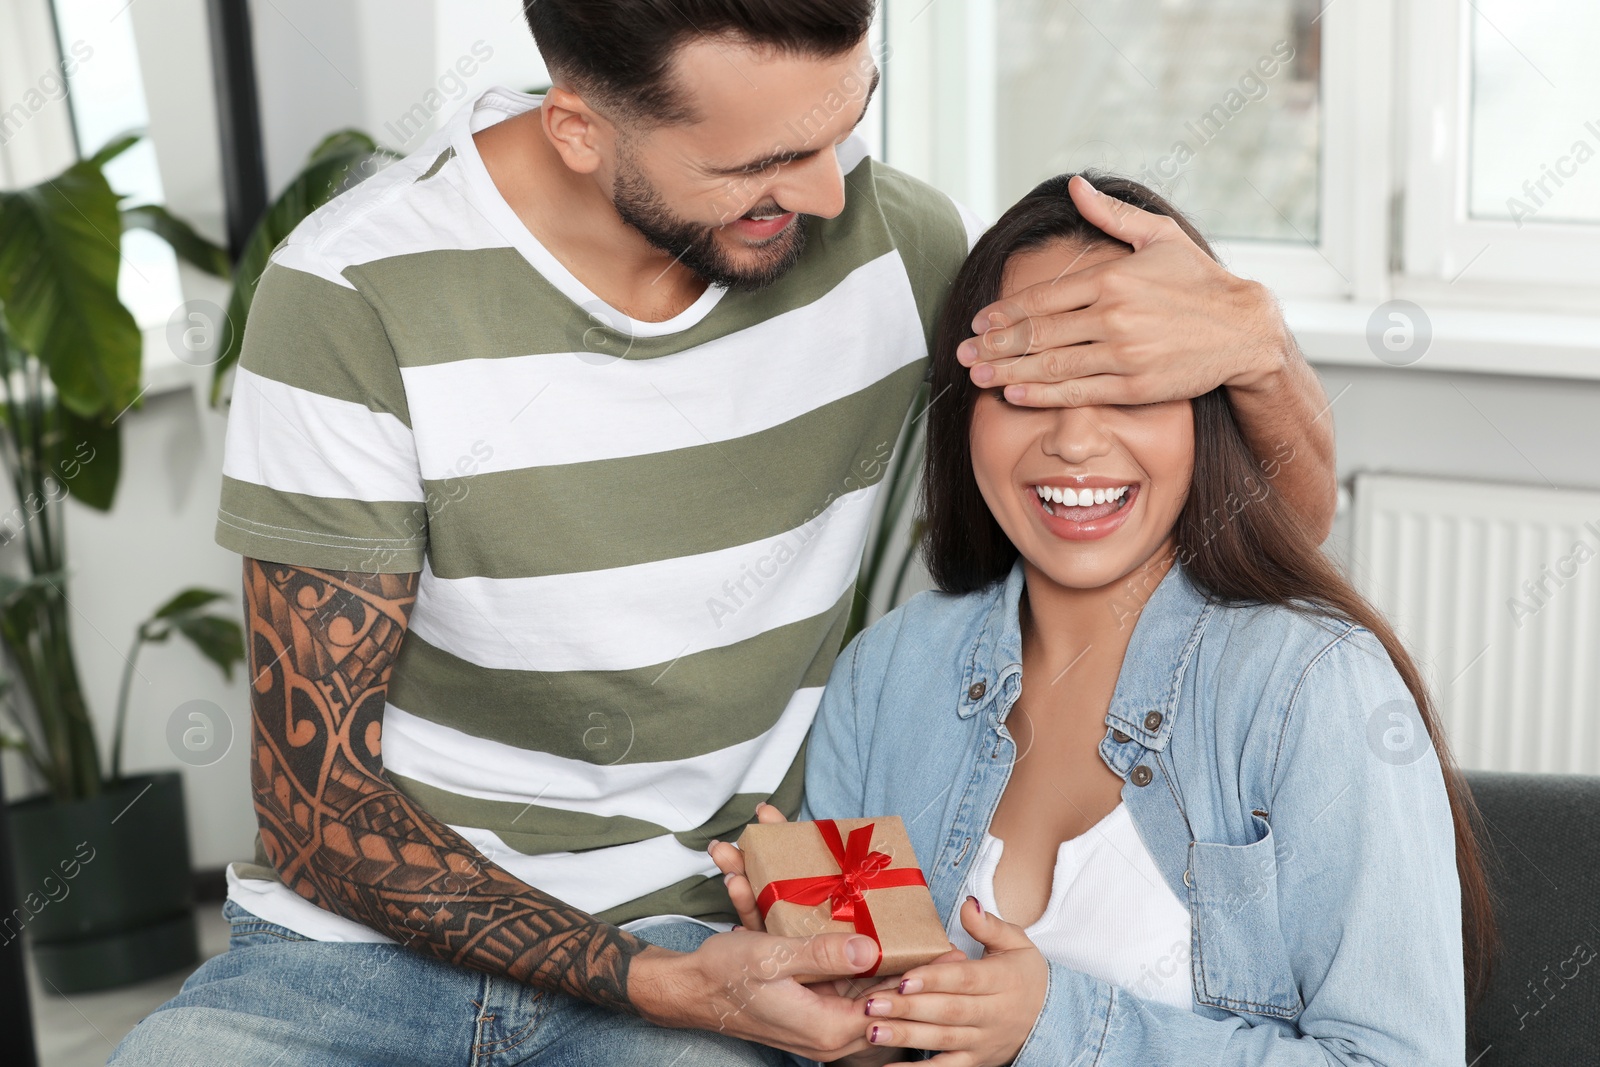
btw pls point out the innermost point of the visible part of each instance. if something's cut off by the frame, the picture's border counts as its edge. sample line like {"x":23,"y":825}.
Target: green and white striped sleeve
{"x":320,"y":467}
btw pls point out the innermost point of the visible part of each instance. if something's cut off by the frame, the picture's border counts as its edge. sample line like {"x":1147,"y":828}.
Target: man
{"x":552,"y":453}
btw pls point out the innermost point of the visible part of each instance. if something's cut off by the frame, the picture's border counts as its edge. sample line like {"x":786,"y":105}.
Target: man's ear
{"x":575,"y":129}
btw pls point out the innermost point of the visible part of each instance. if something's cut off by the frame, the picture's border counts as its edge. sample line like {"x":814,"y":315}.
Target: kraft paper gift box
{"x":845,"y":876}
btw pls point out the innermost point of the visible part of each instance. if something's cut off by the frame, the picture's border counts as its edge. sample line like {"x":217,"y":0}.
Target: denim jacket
{"x":1275,"y":767}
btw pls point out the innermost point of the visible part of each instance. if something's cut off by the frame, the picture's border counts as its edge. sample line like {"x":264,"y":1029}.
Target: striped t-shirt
{"x":638,"y":540}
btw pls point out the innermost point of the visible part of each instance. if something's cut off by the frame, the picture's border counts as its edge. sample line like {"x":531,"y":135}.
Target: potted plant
{"x":105,"y":885}
{"x":102,"y":860}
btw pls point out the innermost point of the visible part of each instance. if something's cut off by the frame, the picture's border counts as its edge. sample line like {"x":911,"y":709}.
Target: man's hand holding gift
{"x":975,"y":1012}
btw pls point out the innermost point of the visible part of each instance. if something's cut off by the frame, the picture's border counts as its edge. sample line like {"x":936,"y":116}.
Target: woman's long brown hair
{"x":1259,"y":553}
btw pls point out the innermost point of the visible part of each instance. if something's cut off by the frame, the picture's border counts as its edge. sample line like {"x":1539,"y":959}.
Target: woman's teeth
{"x":1079,"y":498}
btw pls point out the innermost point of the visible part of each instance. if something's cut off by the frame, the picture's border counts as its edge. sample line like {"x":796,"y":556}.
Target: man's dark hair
{"x":619,"y":52}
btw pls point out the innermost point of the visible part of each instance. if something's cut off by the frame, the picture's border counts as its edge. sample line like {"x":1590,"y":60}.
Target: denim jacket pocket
{"x":1241,"y":963}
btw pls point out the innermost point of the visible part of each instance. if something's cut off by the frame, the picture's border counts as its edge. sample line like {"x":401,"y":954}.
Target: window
{"x":1233,"y":86}
{"x":1530,"y":139}
{"x":1341,"y":152}
{"x":1228,"y":109}
{"x":107,"y":95}
{"x":1503,"y":185}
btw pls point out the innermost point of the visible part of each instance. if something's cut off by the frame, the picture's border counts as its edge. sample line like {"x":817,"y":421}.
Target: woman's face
{"x":1088,"y":495}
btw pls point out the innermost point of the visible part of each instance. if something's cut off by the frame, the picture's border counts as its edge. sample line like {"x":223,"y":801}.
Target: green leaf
{"x":20,"y":744}
{"x":90,"y":462}
{"x":14,"y":590}
{"x":339,"y":163}
{"x":186,"y":602}
{"x":115,"y":147}
{"x":60,"y":251}
{"x":190,"y":246}
{"x":152,"y":632}
{"x":219,"y":640}
{"x":343,"y":143}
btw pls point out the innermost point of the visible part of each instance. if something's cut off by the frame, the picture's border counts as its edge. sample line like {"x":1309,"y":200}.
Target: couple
{"x":1129,"y":736}
{"x":511,"y":414}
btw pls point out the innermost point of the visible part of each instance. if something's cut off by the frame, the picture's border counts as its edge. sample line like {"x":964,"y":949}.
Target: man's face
{"x":725,"y":194}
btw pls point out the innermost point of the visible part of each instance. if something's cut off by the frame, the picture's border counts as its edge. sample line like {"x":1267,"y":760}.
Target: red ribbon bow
{"x":860,"y":869}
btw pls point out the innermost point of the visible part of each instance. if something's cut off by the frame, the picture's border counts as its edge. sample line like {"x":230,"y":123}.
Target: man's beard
{"x":695,"y":245}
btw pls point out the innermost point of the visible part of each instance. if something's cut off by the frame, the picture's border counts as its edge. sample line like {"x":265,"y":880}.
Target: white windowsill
{"x":1523,"y":344}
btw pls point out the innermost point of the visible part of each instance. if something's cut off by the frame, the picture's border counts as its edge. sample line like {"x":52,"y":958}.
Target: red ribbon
{"x":860,"y":869}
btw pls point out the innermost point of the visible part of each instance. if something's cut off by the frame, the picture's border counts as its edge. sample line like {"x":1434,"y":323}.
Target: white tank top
{"x":1111,"y":914}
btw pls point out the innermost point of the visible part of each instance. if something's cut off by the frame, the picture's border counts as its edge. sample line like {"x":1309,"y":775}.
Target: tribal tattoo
{"x":322,"y":645}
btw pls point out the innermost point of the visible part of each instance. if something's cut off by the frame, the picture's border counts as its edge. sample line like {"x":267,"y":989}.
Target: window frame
{"x":1443,"y":243}
{"x":145,"y":296}
{"x":47,"y":141}
{"x":939,"y":77}
{"x":1348,"y":260}
{"x":1394,"y":143}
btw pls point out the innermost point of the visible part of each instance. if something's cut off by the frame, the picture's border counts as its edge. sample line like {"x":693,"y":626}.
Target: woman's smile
{"x":1082,"y":509}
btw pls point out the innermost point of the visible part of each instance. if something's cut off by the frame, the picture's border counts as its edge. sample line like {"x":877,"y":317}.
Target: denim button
{"x":1119,"y":737}
{"x":1152,"y":721}
{"x":1141,"y":775}
{"x":976,"y":691}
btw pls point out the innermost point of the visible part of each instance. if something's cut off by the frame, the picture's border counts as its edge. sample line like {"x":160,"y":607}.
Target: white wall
{"x":1478,"y":426}
{"x":174,"y":45}
{"x":125,"y":563}
{"x":366,"y":63}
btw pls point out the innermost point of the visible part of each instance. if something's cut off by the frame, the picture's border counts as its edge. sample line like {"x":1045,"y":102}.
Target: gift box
{"x":845,"y":876}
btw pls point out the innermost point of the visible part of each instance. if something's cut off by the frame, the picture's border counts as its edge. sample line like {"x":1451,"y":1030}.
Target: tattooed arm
{"x":322,"y":646}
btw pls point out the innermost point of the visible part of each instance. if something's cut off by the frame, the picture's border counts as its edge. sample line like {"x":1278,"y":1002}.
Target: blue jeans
{"x":276,"y":999}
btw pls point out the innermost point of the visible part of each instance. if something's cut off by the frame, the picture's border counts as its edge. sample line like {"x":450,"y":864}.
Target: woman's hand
{"x":874,"y":1057}
{"x":975,"y":1013}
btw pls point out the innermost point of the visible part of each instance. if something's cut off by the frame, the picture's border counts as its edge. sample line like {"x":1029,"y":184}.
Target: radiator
{"x":1495,"y":590}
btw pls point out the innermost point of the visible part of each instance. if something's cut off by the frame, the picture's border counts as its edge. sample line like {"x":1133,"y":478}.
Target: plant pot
{"x":104,"y":887}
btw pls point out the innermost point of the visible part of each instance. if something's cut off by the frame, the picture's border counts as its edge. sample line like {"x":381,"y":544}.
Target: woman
{"x":1176,"y":787}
